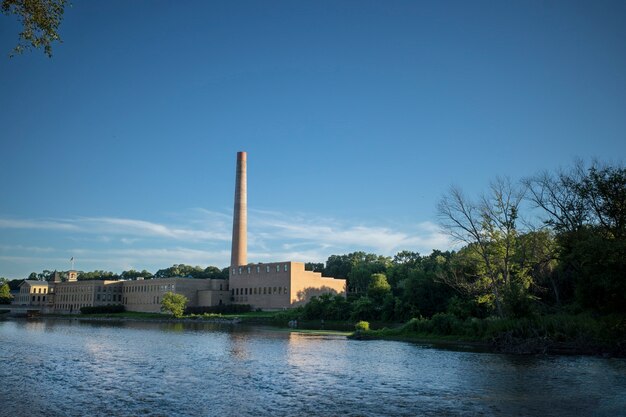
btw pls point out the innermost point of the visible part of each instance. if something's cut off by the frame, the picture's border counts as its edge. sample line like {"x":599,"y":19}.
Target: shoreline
{"x":502,"y":345}
{"x":523,"y":347}
{"x":230,"y":321}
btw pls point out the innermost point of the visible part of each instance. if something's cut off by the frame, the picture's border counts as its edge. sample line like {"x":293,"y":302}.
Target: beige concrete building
{"x":139,"y":295}
{"x":279,"y":285}
{"x":146,"y":295}
{"x":71,"y":296}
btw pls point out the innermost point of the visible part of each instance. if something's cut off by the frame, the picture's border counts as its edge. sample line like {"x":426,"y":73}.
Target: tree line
{"x":554,"y":242}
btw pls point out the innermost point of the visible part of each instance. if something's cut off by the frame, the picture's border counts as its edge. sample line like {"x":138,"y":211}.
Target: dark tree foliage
{"x":188,"y":271}
{"x":314,"y":266}
{"x":14,"y":284}
{"x":604,"y":190}
{"x":133,"y":274}
{"x":327,"y":307}
{"x":40,"y":20}
{"x":98,"y":275}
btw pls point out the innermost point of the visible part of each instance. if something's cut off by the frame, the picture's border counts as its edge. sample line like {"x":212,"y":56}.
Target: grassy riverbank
{"x":262,"y":318}
{"x":554,"y":334}
{"x":558,"y":333}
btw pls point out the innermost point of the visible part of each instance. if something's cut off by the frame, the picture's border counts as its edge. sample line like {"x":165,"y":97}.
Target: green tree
{"x":364,"y":309}
{"x":402,"y":263}
{"x":489,"y":229}
{"x":174,"y":303}
{"x":587,"y":209}
{"x":378,"y":287}
{"x":40,"y":20}
{"x":5,"y":294}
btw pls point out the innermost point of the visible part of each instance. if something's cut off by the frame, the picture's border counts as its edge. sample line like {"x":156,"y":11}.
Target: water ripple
{"x":67,"y":368}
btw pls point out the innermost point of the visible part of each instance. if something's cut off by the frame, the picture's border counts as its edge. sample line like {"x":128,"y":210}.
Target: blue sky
{"x":356,"y":115}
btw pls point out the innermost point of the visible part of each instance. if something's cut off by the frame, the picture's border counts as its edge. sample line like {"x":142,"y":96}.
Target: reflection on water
{"x":71,"y":368}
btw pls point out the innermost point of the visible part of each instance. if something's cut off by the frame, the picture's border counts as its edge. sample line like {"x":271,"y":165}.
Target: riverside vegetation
{"x":555,"y":284}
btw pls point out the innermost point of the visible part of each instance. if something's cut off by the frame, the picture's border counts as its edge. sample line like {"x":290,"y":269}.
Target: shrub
{"x":445,"y":324}
{"x":362,"y":326}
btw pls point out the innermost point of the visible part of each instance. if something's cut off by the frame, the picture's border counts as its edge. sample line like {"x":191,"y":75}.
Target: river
{"x":71,"y":368}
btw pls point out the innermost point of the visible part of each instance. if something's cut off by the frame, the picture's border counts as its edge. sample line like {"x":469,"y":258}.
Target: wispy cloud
{"x":201,"y":237}
{"x":333,"y":234}
{"x":127,"y":227}
{"x":133,"y":227}
{"x":37,"y":224}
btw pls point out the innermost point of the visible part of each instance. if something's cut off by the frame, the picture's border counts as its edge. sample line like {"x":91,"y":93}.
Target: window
{"x":277,"y":268}
{"x":267,"y":268}
{"x":274,"y":290}
{"x":284,"y":290}
{"x":239,"y":270}
{"x":234,"y":271}
{"x":286,"y":268}
{"x":258,"y":269}
{"x":248,"y":269}
{"x":279,"y":290}
{"x":264,"y":290}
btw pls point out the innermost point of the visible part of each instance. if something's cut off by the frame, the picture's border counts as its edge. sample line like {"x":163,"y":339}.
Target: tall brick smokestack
{"x":239,"y":252}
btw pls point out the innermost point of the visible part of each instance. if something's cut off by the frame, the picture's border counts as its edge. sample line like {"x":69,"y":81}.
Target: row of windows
{"x":149,"y":288}
{"x":154,"y":300}
{"x":109,"y":288}
{"x":109,"y":297}
{"x":118,"y":289}
{"x":259,"y":291}
{"x":74,"y":289}
{"x":39,"y":298}
{"x":39,"y":290}
{"x":72,"y":307}
{"x":250,"y":269}
{"x":74,"y":297}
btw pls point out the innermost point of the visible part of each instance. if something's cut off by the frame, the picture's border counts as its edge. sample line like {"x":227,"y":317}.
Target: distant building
{"x":270,"y":286}
{"x":32,"y":294}
{"x":147,"y":295}
{"x":70,"y":296}
{"x":279,"y":285}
